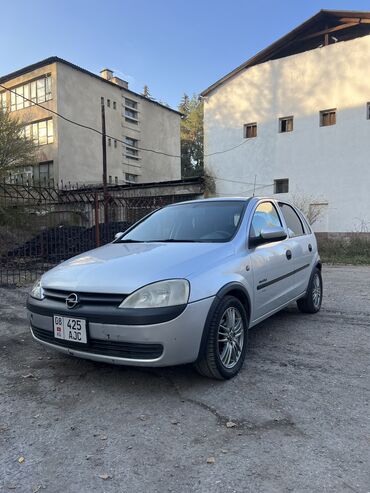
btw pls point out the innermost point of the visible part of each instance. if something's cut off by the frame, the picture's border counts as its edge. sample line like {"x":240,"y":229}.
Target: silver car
{"x":183,"y":285}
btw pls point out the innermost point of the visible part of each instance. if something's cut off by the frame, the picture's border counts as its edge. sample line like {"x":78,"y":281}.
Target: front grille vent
{"x":86,"y":298}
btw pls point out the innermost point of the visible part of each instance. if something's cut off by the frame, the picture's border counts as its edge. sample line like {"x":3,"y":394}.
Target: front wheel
{"x":311,"y":303}
{"x":226,"y":343}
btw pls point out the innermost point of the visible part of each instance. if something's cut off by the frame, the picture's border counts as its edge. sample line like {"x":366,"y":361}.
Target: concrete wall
{"x":80,"y":150}
{"x":160,"y":130}
{"x":326,"y":165}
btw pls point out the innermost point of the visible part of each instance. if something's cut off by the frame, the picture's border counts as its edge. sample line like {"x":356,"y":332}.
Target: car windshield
{"x":213,"y":221}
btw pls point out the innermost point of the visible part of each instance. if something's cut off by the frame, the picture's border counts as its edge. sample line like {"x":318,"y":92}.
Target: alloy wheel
{"x":230,"y":337}
{"x":316,"y":291}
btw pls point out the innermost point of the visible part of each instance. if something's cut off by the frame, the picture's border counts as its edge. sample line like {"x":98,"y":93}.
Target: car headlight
{"x":37,"y":291}
{"x":159,"y":294}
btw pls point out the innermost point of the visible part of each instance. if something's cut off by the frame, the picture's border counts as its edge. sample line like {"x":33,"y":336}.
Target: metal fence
{"x":41,"y":226}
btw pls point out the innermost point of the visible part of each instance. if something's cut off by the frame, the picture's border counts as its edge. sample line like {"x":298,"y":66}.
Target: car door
{"x":270,"y":263}
{"x":301,"y":246}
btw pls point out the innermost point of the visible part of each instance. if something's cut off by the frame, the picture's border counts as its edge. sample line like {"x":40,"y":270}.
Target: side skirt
{"x":272,"y":312}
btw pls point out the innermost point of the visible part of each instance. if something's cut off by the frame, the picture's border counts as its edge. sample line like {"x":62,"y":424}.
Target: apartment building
{"x":294,"y":121}
{"x":71,"y":153}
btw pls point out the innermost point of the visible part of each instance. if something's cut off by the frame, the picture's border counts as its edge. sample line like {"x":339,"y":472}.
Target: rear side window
{"x":265,"y":217}
{"x":292,"y":220}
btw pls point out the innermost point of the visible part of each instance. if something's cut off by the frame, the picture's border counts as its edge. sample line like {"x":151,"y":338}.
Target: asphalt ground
{"x":296,"y":418}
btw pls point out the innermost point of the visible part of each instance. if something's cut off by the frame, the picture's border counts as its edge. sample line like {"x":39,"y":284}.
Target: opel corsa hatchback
{"x":183,"y":285}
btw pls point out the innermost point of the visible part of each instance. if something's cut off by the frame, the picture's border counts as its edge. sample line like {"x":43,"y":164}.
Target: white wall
{"x":324,"y":164}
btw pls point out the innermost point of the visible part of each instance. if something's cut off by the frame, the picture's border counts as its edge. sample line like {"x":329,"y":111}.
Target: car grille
{"x":128,"y":350}
{"x":86,"y":298}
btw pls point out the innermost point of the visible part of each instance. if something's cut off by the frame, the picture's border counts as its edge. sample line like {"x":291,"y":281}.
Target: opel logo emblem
{"x":72,"y":300}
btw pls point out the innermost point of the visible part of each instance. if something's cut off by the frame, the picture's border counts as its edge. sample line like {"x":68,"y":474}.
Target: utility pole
{"x":254,"y":186}
{"x":104,"y":147}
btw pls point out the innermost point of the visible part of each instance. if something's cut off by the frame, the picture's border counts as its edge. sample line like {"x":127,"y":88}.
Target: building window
{"x":130,"y":148}
{"x":129,"y":177}
{"x":114,"y":105}
{"x":250,"y":130}
{"x":131,"y":142}
{"x":281,"y":186}
{"x":286,"y":124}
{"x":21,"y":174}
{"x":130,"y":103}
{"x":36,"y":91}
{"x":41,"y":132}
{"x":328,"y":117}
{"x":43,"y":173}
{"x":3,"y":104}
{"x":368,"y":111}
{"x":108,"y":103}
{"x":131,"y":113}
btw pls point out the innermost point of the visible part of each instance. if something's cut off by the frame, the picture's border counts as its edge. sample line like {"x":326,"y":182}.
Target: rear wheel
{"x":311,"y":303}
{"x":226,"y":343}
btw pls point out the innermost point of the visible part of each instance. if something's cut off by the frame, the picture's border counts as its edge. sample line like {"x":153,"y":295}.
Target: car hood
{"x":124,"y":267}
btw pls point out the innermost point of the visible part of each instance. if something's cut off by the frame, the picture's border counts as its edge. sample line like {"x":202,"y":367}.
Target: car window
{"x":295,"y":227}
{"x":213,"y":221}
{"x":265,"y":217}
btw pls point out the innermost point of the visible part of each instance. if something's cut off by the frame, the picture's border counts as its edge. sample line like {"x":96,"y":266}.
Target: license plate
{"x":70,"y":329}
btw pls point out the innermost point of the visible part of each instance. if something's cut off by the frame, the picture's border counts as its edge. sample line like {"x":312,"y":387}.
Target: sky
{"x":173,"y":46}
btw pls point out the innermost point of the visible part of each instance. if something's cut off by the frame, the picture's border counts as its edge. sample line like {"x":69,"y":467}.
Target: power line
{"x":87,"y":127}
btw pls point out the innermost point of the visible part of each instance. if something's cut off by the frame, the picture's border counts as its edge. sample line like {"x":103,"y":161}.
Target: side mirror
{"x":267,"y":236}
{"x":117,"y":235}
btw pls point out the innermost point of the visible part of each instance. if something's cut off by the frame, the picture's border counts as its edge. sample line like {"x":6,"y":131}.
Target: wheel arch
{"x":235,"y":289}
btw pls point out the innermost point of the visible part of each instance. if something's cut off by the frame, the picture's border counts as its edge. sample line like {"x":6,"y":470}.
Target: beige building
{"x":69,"y":153}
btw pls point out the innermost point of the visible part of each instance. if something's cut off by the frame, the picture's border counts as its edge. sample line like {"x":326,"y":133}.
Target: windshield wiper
{"x":130,"y":241}
{"x":173,"y":240}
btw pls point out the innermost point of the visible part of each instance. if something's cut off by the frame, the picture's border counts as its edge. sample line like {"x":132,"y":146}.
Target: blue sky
{"x":172,"y":46}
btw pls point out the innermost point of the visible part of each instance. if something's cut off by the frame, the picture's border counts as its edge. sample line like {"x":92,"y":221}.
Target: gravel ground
{"x":300,"y":409}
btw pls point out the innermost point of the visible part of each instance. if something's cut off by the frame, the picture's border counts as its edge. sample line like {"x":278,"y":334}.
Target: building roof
{"x":55,"y":59}
{"x":325,"y":27}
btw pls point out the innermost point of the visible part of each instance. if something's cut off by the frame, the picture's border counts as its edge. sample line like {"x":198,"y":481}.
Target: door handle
{"x":288,"y":254}
{"x":309,"y":247}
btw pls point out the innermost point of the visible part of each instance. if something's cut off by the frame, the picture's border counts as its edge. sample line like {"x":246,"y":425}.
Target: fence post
{"x":97,"y":235}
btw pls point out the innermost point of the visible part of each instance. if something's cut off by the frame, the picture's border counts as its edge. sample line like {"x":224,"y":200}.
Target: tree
{"x":15,"y":150}
{"x":192,"y":152}
{"x":312,"y":207}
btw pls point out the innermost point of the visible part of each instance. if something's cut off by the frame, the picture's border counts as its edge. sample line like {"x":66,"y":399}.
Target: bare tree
{"x":311,"y":206}
{"x":15,"y":149}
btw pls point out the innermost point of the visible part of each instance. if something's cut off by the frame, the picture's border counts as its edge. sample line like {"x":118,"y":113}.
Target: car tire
{"x":311,"y":303}
{"x":224,"y":342}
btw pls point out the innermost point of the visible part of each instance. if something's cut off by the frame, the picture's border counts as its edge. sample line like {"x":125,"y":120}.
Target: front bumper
{"x":167,"y":343}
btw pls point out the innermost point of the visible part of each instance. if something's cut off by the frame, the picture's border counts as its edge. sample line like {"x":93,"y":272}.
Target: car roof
{"x":222,"y":199}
